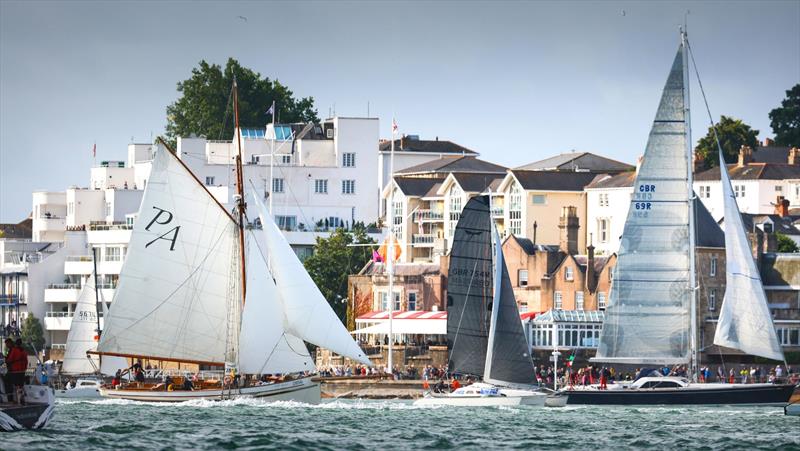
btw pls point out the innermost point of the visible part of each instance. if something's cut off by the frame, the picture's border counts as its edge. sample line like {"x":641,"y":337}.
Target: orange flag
{"x":384,"y":249}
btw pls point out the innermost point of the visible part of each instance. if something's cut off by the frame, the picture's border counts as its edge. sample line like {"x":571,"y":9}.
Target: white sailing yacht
{"x":483,"y":325}
{"x":651,"y":319}
{"x":200,"y":285}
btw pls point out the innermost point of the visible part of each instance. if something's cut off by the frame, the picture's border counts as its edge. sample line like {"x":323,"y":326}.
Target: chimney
{"x":768,"y":142}
{"x":591,"y":282}
{"x":794,"y":156}
{"x":770,"y":242}
{"x":699,"y":162}
{"x":568,"y":225}
{"x":782,"y":206}
{"x":757,"y":245}
{"x":745,"y":155}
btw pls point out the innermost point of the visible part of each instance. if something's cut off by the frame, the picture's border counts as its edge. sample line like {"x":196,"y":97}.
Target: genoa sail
{"x":307,"y":313}
{"x":469,"y":289}
{"x":648,"y":319}
{"x":82,"y":333}
{"x":508,"y":359}
{"x":744,"y":322}
{"x":264,"y":346}
{"x":173,"y":294}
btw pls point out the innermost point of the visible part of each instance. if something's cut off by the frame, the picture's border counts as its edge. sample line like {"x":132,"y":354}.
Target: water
{"x":113,"y":424}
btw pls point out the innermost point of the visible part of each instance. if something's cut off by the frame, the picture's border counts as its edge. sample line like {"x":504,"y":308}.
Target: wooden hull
{"x":300,"y":390}
{"x":764,"y":394}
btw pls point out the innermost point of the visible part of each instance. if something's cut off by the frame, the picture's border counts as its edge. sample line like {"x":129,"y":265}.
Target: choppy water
{"x":112,"y":424}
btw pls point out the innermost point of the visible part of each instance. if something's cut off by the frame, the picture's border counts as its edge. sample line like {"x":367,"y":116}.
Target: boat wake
{"x":259,"y":403}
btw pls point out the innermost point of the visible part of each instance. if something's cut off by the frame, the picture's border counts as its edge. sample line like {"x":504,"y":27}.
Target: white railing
{"x":96,"y":227}
{"x":429,"y":215}
{"x":63,"y":286}
{"x":79,"y":258}
{"x":61,"y":314}
{"x":58,"y":346}
{"x":423,"y":239}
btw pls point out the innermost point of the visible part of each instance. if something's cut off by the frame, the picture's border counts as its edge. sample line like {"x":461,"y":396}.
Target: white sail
{"x":182,"y":266}
{"x":109,"y":364}
{"x":744,"y":322}
{"x":648,"y":318}
{"x":264,"y":346}
{"x":82,"y":333}
{"x":308,"y":315}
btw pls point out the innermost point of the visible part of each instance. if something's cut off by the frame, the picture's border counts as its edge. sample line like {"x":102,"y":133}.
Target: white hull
{"x":491,"y":396}
{"x":79,"y":393}
{"x":301,"y":390}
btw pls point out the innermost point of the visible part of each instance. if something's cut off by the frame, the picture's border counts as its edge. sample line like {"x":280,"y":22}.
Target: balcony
{"x":11,"y":299}
{"x":428,"y":216}
{"x":84,"y":265}
{"x":497,"y":212}
{"x":96,"y":227}
{"x":61,"y":320}
{"x":423,"y":240}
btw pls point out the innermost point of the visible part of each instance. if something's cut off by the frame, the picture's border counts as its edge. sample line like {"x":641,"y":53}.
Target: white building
{"x":607,"y":202}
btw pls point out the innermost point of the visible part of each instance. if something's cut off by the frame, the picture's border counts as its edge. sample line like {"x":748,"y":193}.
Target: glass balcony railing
{"x":63,"y":286}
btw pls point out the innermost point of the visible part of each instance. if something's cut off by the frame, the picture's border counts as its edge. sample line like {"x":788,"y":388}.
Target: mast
{"x":272,"y":157}
{"x":689,"y":181}
{"x":96,"y":301}
{"x":240,"y":203}
{"x":497,"y":263}
{"x":390,"y":251}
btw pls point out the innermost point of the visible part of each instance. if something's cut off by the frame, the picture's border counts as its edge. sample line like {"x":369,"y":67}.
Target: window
{"x":397,"y":218}
{"x":129,"y":221}
{"x":738,"y":190}
{"x":515,"y":210}
{"x":209,"y":180}
{"x":71,"y":208}
{"x":385,"y":300}
{"x":412,"y":301}
{"x":712,"y":299}
{"x":539,"y":199}
{"x":601,"y":300}
{"x":713,"y":266}
{"x":778,"y":188}
{"x":568,"y":273}
{"x":286,"y":222}
{"x":523,"y":277}
{"x":515,"y":223}
{"x":108,"y":208}
{"x":705,"y":191}
{"x":348,"y":186}
{"x":579,"y":300}
{"x":348,"y":160}
{"x":557,"y":302}
{"x":113,"y":254}
{"x":604,"y":199}
{"x":321,"y":186}
{"x":277,"y":185}
{"x":286,"y":159}
{"x":610,"y":275}
{"x":602,"y":230}
{"x":455,"y":208}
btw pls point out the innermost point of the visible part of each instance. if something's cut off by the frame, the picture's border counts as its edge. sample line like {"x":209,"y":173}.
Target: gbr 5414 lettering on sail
{"x":203,"y":286}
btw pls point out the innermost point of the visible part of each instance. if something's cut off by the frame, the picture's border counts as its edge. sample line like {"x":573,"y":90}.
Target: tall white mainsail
{"x":648,"y":319}
{"x":181,"y":269}
{"x":744,"y":322}
{"x":264,"y":346}
{"x":82,"y":333}
{"x":308,"y":315}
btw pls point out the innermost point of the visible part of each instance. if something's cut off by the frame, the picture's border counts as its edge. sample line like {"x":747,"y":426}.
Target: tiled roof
{"x":403,"y":269}
{"x":783,"y":224}
{"x":477,"y":183}
{"x":454,"y":164}
{"x":21,"y":230}
{"x":622,"y":180}
{"x":753,"y":171}
{"x":408,"y":144}
{"x":416,"y":186}
{"x":708,"y":232}
{"x":553,"y":180}
{"x":578,"y":161}
{"x":771,"y":154}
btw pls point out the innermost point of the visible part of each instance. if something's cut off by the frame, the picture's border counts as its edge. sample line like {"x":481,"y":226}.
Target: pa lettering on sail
{"x":161,"y":222}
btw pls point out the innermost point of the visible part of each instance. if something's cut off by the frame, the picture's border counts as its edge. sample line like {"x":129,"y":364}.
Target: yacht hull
{"x":301,"y":390}
{"x":496,"y":397}
{"x":765,"y":394}
{"x":35,"y":414}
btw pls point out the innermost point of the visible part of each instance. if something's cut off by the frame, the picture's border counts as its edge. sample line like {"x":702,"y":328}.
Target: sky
{"x":515,"y":81}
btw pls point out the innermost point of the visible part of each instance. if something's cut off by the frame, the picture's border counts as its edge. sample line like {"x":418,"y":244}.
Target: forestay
{"x":172,"y":298}
{"x":264,"y":346}
{"x":648,"y":318}
{"x":744,"y":322}
{"x":308,"y":314}
{"x":469,"y":289}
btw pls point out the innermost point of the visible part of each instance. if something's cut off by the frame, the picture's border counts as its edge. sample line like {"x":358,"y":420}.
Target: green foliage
{"x":32,"y":334}
{"x":733,"y":134}
{"x":206,"y":103}
{"x":786,"y":244}
{"x":333,"y":260}
{"x":785,"y":120}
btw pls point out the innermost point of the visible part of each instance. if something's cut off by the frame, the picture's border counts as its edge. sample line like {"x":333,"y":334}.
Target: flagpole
{"x":272,"y":159}
{"x":390,"y":250}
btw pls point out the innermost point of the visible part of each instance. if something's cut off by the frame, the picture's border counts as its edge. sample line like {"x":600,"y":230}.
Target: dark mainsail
{"x":469,"y":289}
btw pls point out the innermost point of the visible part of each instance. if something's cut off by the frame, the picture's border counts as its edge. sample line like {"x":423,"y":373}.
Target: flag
{"x":394,"y":126}
{"x":94,"y":150}
{"x":376,"y":257}
{"x":384,"y":249}
{"x":271,"y":109}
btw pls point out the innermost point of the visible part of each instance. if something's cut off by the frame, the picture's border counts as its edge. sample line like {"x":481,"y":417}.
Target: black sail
{"x":469,"y":289}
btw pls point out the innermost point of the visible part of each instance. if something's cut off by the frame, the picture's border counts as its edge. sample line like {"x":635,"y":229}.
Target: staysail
{"x":469,"y":289}
{"x":171,"y":302}
{"x":82,"y":333}
{"x":308,"y":315}
{"x":508,"y":359}
{"x":648,"y":318}
{"x":264,"y":346}
{"x":744,"y":322}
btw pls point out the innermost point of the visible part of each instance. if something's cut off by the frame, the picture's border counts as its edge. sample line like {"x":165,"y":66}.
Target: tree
{"x":32,"y":334}
{"x":785,"y":120}
{"x":205,"y":106}
{"x":786,"y":244}
{"x":733,"y":134}
{"x":333,"y":260}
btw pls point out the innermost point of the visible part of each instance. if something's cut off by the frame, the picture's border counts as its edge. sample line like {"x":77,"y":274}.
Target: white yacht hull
{"x":300,"y":390}
{"x":79,"y":393}
{"x":488,"y":396}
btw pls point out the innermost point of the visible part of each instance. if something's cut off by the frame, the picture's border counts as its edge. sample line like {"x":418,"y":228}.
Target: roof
{"x":416,"y":186}
{"x":622,"y":180}
{"x":781,"y":269}
{"x":477,"y":183}
{"x":783,"y":224}
{"x":752,"y":171}
{"x":20,"y":230}
{"x":599,"y":261}
{"x":571,"y":316}
{"x":527,"y":245}
{"x":771,"y":154}
{"x":403,"y":269}
{"x":451,"y":163}
{"x":708,"y":233}
{"x":578,"y":161}
{"x":553,"y":180}
{"x":409,"y":144}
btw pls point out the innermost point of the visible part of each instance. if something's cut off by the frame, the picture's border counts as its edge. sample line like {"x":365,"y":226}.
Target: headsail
{"x":109,"y":364}
{"x":648,"y":319}
{"x":308,"y":314}
{"x":508,"y":359}
{"x":744,"y":322}
{"x":264,"y":346}
{"x":82,"y":333}
{"x":181,"y":269}
{"x":469,"y":288}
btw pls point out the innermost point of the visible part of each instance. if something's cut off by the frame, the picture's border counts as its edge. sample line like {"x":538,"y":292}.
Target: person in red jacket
{"x":17,"y":362}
